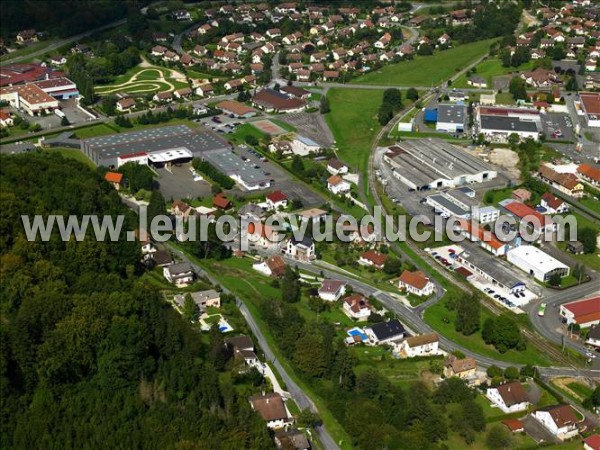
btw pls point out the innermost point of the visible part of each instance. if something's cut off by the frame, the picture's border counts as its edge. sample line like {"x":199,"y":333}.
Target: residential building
{"x":592,"y":442}
{"x":242,"y":348}
{"x":590,"y":174}
{"x":274,"y":266}
{"x":291,"y":439}
{"x":461,"y":368}
{"x":416,"y":283}
{"x":560,"y":420}
{"x":180,"y":274}
{"x":575,"y":247}
{"x":372,"y":258}
{"x":536,"y":263}
{"x":262,"y":235}
{"x":315,"y":215}
{"x":114,"y":178}
{"x":593,"y":338}
{"x":277,"y":200}
{"x":509,"y":397}
{"x":553,"y":204}
{"x":584,"y":313}
{"x":338,"y":185}
{"x":221,"y":201}
{"x":301,"y":249}
{"x":564,"y":182}
{"x":303,"y":146}
{"x":181,"y":209}
{"x":385,"y":332}
{"x":523,"y":195}
{"x":421,"y":345}
{"x":271,"y":408}
{"x":336,"y":167}
{"x":356,"y":306}
{"x":125,"y":104}
{"x":332,"y":290}
{"x":203,"y":299}
{"x":537,"y":221}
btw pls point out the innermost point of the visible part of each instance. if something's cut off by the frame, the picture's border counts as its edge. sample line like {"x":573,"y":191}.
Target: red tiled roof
{"x":513,"y":424}
{"x":113,"y":177}
{"x":277,"y":196}
{"x":585,"y":310}
{"x":235,"y":107}
{"x":416,"y":279}
{"x":221,"y":201}
{"x":520,"y":210}
{"x":593,"y":441}
{"x":376,"y":258}
{"x":592,"y":172}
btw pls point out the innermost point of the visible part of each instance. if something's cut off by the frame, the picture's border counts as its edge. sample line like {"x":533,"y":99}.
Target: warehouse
{"x":244,"y":174}
{"x":497,"y":124}
{"x":424,"y":164}
{"x":451,"y":118}
{"x":584,"y":313}
{"x":164,"y":145}
{"x":589,"y":107}
{"x":457,"y":204}
{"x":536,"y":263}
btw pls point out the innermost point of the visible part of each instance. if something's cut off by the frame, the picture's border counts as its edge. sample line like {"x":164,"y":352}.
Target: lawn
{"x":427,"y":70}
{"x":353,"y":122}
{"x":286,"y":126}
{"x":73,"y":153}
{"x":442,"y":320}
{"x":505,"y":98}
{"x":489,"y":69}
{"x":591,"y":203}
{"x":247,"y":129}
{"x":101,"y":129}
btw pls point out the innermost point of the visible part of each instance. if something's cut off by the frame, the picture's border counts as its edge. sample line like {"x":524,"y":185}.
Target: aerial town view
{"x":327,"y":225}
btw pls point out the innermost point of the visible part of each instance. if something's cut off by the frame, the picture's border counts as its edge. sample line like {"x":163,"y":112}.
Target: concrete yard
{"x":311,"y":125}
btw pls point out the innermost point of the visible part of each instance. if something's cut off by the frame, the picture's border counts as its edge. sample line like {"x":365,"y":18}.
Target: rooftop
{"x":232,"y":165}
{"x":535,"y":257}
{"x":504,"y":123}
{"x":495,"y":268}
{"x":451,"y":113}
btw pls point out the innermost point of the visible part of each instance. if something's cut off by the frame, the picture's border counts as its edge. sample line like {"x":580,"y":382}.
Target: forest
{"x":90,"y":356}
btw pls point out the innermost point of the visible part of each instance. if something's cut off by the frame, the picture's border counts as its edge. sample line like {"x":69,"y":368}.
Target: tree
{"x":587,"y":236}
{"x":156,"y":206}
{"x":511,"y":373}
{"x":467,"y":315}
{"x":513,"y":140}
{"x":324,"y":105}
{"x":290,"y":286}
{"x":64,"y":122}
{"x":307,"y":418}
{"x":517,"y":88}
{"x":494,"y":371}
{"x":555,"y":280}
{"x":412,"y":94}
{"x":297,"y":164}
{"x":527,"y":371}
{"x":109,"y":104}
{"x":498,"y":437}
{"x":393,"y":97}
{"x":251,"y":140}
{"x":392,"y":266}
{"x":189,"y":309}
{"x":571,"y":84}
{"x":385,"y":114}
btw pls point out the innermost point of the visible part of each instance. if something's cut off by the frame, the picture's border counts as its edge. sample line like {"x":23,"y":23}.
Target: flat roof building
{"x":451,"y":118}
{"x":160,"y":145}
{"x":497,"y":124}
{"x":244,"y":173}
{"x":424,"y":164}
{"x":589,"y":103}
{"x":585,"y":313}
{"x":536,"y":263}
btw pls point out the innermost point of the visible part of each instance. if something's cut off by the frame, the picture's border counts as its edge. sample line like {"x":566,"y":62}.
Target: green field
{"x":442,"y":321}
{"x":353,"y":122}
{"x":73,"y":153}
{"x":591,"y":203}
{"x":101,"y":129}
{"x":489,"y":69}
{"x":427,"y":70}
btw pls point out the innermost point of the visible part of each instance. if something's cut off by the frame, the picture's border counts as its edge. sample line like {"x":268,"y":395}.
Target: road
{"x":177,"y":39}
{"x":63,"y":42}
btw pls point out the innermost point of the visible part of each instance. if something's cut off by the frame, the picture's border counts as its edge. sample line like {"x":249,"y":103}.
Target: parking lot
{"x":179,"y":183}
{"x":558,"y":126}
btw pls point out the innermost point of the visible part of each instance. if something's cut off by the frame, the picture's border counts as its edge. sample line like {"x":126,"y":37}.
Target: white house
{"x":204,"y":299}
{"x":274,"y":266}
{"x":416,"y":283}
{"x":303,"y":146}
{"x":385,"y":332}
{"x":593,"y":338}
{"x":553,"y":204}
{"x":560,"y":420}
{"x":509,"y":397}
{"x":422,"y":345}
{"x":336,"y":167}
{"x":262,"y":235}
{"x":338,"y":185}
{"x":332,"y":290}
{"x":271,"y":408}
{"x":180,"y":274}
{"x":303,"y":249}
{"x":277,"y":200}
{"x":356,"y":306}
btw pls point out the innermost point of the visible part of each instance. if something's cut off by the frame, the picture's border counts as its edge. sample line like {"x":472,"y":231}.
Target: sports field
{"x":427,"y":71}
{"x":145,"y":79}
{"x":269,"y":127}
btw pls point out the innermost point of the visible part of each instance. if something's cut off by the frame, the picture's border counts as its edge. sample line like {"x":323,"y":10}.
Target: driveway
{"x":537,"y":431}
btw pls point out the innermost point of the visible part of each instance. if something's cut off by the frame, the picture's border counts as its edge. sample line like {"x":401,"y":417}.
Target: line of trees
{"x":213,"y":173}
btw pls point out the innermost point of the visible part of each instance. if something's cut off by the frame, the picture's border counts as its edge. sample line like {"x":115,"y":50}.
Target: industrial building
{"x":244,"y":174}
{"x":497,"y":124}
{"x":584,"y":313}
{"x":425,"y":164}
{"x":536,"y":263}
{"x":589,"y":108}
{"x":457,"y":204}
{"x":159,"y":146}
{"x":451,"y":118}
{"x":39,"y":97}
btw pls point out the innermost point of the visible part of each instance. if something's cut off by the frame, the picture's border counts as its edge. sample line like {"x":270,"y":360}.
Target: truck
{"x":59,"y":113}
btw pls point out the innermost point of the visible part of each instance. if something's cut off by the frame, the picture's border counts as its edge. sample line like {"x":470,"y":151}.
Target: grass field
{"x":591,"y":203}
{"x":143,"y":80}
{"x":353,"y":122}
{"x":73,"y":153}
{"x":427,"y":70}
{"x":442,"y":321}
{"x":489,"y":69}
{"x":101,"y":129}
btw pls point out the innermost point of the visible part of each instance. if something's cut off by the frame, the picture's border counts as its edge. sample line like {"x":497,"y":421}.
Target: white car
{"x":198,"y":177}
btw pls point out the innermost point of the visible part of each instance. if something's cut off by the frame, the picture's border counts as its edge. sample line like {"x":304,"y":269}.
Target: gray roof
{"x":494,"y":267}
{"x":231,"y":164}
{"x":451,"y":113}
{"x":152,"y":140}
{"x":445,"y":202}
{"x":180,"y":268}
{"x":508,"y":124}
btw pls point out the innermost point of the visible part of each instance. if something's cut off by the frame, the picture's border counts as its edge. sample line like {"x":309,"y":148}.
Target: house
{"x":560,"y":420}
{"x":385,"y":332}
{"x":262,"y":235}
{"x":540,"y":77}
{"x":383,"y":41}
{"x":181,"y":209}
{"x":302,"y":249}
{"x":593,"y":338}
{"x":590,"y":174}
{"x":271,"y":408}
{"x":181,"y":14}
{"x":205,"y":90}
{"x":277,"y":200}
{"x":203,"y":29}
{"x":553,"y":204}
{"x":125,"y":104}
{"x":592,"y":442}
{"x":332,"y":290}
{"x":303,"y":146}
{"x":564,"y":182}
{"x":180,"y":274}
{"x":273,"y":33}
{"x":26,"y":35}
{"x":170,"y":56}
{"x":584,"y":313}
{"x":6,"y":119}
{"x":291,"y":440}
{"x":422,"y":345}
{"x":356,"y":306}
{"x":372,"y":258}
{"x":461,"y":368}
{"x":161,"y":258}
{"x":523,"y":195}
{"x":444,"y":39}
{"x":509,"y":397}
{"x":338,"y":185}
{"x":58,"y":60}
{"x":114,"y":178}
{"x":416,"y":283}
{"x":513,"y":425}
{"x":575,"y":247}
{"x":477,"y":81}
{"x":221,"y":201}
{"x":297,"y":92}
{"x":163,"y":97}
{"x":331,"y":75}
{"x":183,"y":92}
{"x":251,"y":211}
{"x":274,"y":266}
{"x":159,"y":36}
{"x":336,"y":167}
{"x":203,"y":299}
{"x":242,"y":348}
{"x":315,"y":215}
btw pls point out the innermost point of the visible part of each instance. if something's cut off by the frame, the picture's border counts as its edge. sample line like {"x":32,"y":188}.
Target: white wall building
{"x":535,"y":262}
{"x":560,"y":420}
{"x":332,"y":290}
{"x":509,"y":397}
{"x":422,"y":345}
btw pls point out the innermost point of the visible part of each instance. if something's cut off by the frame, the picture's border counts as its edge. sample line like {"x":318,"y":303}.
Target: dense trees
{"x":390,"y":105}
{"x":90,"y":355}
{"x":468,"y":312}
{"x":137,"y":176}
{"x":503,"y":333}
{"x":517,"y":88}
{"x":587,"y":236}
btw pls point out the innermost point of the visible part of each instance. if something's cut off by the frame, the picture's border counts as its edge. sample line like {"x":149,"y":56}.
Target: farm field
{"x":145,"y":79}
{"x":489,"y":69}
{"x":427,"y":70}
